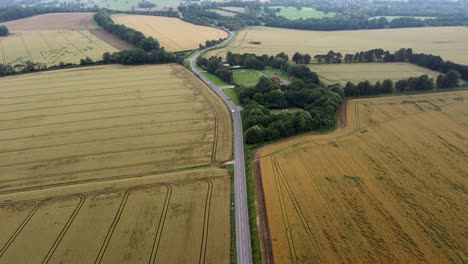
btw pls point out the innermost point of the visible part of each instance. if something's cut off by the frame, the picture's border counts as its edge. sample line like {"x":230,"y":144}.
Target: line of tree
{"x":18,"y":12}
{"x":351,"y":23}
{"x":211,"y":43}
{"x":421,"y":83}
{"x":4,"y":31}
{"x":300,"y":58}
{"x":374,"y":55}
{"x":130,"y":35}
{"x":432,"y":62}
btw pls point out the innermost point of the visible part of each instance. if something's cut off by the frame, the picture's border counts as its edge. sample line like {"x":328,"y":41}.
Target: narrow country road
{"x":244,"y":250}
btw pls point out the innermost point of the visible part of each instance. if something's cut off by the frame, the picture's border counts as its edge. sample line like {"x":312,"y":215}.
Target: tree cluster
{"x":215,"y":66}
{"x":436,"y":63}
{"x":300,"y":58}
{"x":146,"y":4}
{"x":128,"y":34}
{"x":4,"y":31}
{"x":320,"y":105}
{"x":211,"y":43}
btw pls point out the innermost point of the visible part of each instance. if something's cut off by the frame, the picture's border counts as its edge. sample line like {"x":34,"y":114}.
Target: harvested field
{"x":132,"y":150}
{"x":389,"y":186}
{"x":53,"y":21}
{"x":173,"y":33}
{"x":45,"y":40}
{"x":453,"y":47}
{"x":373,"y":72}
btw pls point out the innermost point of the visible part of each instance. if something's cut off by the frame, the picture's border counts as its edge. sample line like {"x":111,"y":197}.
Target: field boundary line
{"x":95,"y":119}
{"x":103,"y":128}
{"x":101,"y":140}
{"x":65,"y":228}
{"x":97,"y":103}
{"x":206,"y":222}
{"x":84,"y":90}
{"x":63,"y":82}
{"x":104,"y":153}
{"x":92,"y":96}
{"x":113,"y":190}
{"x":264,"y":229}
{"x":64,"y":73}
{"x":122,"y":176}
{"x":131,"y":107}
{"x":159,"y":229}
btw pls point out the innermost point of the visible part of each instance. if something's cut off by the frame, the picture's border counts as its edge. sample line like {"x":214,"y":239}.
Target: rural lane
{"x":244,"y":250}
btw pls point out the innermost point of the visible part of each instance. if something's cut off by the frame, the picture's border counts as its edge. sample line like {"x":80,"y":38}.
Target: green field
{"x":217,"y":81}
{"x":304,"y":13}
{"x":233,"y":95}
{"x":250,"y":77}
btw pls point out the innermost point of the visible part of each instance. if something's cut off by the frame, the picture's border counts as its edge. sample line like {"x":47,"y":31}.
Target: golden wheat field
{"x":172,"y":33}
{"x":42,"y":39}
{"x":389,"y":186}
{"x":373,"y":72}
{"x":265,"y":40}
{"x":113,"y":164}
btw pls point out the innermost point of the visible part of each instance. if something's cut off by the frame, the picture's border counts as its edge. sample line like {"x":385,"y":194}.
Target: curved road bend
{"x":244,"y":250}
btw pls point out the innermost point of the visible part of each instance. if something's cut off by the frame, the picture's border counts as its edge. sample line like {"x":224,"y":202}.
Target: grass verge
{"x":233,"y":95}
{"x":233,"y":217}
{"x":251,"y":199}
{"x":217,"y":81}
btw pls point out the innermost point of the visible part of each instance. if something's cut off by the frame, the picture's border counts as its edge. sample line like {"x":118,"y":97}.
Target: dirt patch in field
{"x":111,"y":39}
{"x":54,"y":21}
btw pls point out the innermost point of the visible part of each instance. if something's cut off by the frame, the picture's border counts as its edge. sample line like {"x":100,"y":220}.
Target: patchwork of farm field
{"x":172,"y":33}
{"x":373,"y":72}
{"x":131,"y":150}
{"x":42,"y":39}
{"x":265,"y":40}
{"x":389,"y":187}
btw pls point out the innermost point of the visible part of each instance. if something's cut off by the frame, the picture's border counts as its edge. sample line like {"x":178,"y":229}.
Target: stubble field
{"x":373,"y":72}
{"x":113,"y":164}
{"x":389,"y":186}
{"x":55,"y":38}
{"x":172,"y":33}
{"x":453,"y":47}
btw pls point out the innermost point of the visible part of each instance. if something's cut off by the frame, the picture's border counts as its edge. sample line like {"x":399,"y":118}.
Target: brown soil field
{"x":172,"y":33}
{"x":389,"y":186}
{"x":55,"y":38}
{"x":453,"y":47}
{"x":53,"y":21}
{"x":373,"y":72}
{"x":113,"y":164}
